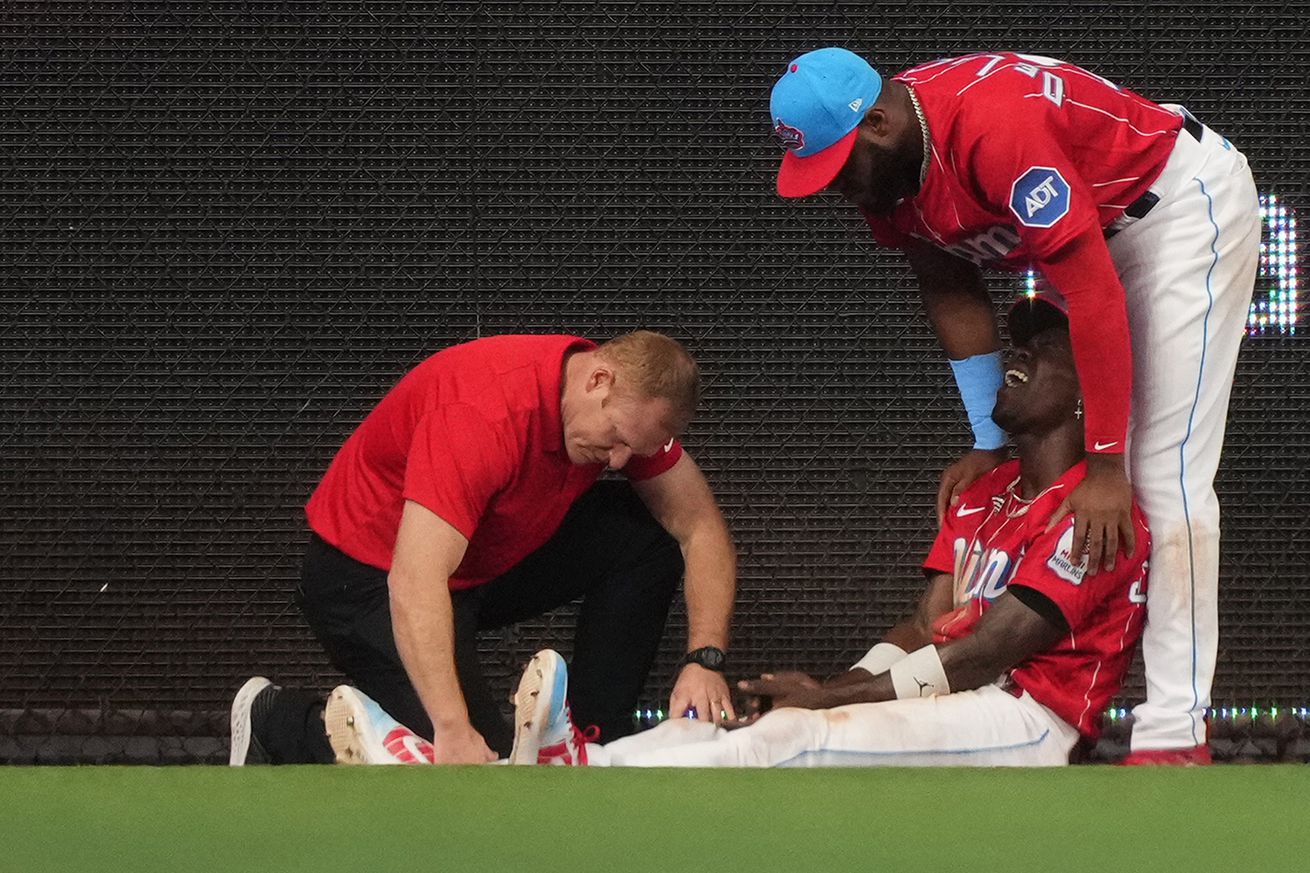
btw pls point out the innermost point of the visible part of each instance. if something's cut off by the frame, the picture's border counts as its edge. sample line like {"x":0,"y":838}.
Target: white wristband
{"x":880,"y":657}
{"x":920,"y":674}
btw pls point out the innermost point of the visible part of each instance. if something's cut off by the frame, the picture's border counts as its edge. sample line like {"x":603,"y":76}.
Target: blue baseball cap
{"x":816,"y":107}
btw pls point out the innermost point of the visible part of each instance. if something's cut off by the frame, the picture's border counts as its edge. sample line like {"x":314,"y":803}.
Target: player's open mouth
{"x":1015,"y":378}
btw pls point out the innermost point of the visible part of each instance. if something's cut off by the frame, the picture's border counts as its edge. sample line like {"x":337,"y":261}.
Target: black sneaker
{"x":249,"y":712}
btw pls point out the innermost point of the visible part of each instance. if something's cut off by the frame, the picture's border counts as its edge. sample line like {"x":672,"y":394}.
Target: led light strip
{"x":1225,"y":712}
{"x":655,"y":716}
{"x":1276,"y":311}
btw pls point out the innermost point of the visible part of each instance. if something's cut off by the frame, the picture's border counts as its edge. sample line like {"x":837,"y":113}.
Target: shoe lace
{"x":589,"y":734}
{"x":573,"y":749}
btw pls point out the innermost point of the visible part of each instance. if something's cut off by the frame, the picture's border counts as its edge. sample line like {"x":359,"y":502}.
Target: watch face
{"x":708,"y":657}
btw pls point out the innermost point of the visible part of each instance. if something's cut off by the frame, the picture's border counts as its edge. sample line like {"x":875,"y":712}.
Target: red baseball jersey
{"x":474,"y":434}
{"x":1028,"y":153}
{"x":993,"y":540}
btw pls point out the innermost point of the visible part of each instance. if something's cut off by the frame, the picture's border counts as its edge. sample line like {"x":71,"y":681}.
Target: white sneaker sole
{"x":239,"y":745}
{"x":350,"y":731}
{"x":530,"y":707}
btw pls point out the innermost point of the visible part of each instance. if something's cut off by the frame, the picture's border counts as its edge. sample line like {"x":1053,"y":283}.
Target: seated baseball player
{"x":1013,"y":653}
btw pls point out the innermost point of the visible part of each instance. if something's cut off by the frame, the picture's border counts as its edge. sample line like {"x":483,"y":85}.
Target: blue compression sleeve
{"x":979,"y":378}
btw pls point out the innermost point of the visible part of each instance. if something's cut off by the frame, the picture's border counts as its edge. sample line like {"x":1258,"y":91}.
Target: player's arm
{"x":959,"y":309}
{"x":913,"y":632}
{"x":428,"y":549}
{"x":956,"y":301}
{"x":1082,"y":271}
{"x":916,"y":630}
{"x":680,"y":499}
{"x":1019,"y":625}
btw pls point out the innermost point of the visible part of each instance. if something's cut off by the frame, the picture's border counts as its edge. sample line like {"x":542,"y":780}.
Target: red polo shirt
{"x":474,"y":434}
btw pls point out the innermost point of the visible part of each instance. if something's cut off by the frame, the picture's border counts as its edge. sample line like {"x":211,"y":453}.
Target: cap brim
{"x":801,"y":177}
{"x":1030,"y":316}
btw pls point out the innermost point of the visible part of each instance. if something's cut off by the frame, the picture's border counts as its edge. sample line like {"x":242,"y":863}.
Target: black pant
{"x":609,"y":551}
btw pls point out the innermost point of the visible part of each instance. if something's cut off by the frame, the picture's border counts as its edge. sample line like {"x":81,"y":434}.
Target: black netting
{"x":227,"y":228}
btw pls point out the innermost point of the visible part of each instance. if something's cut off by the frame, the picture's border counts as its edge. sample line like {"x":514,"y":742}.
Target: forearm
{"x":711,"y":584}
{"x":912,"y":632}
{"x":422,"y":619}
{"x":957,"y":303}
{"x":681,"y":501}
{"x":900,"y":640}
{"x":858,"y":686}
{"x":965,"y":665}
{"x":1083,"y":273}
{"x":960,"y":312}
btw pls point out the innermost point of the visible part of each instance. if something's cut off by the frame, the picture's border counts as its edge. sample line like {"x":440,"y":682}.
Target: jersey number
{"x":1031,"y":66}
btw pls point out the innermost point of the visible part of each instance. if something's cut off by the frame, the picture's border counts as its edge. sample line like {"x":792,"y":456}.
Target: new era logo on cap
{"x":816,"y":107}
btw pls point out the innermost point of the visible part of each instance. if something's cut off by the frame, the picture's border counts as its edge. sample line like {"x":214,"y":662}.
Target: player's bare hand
{"x":1102,"y":506}
{"x":460,"y":743}
{"x":788,"y":688}
{"x":962,"y":474}
{"x":704,"y":691}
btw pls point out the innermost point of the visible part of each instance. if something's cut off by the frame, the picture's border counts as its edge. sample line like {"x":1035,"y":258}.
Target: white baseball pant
{"x":1188,"y":268}
{"x":988,"y":727}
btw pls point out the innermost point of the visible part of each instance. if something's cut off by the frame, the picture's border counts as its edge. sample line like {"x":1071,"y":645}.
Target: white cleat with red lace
{"x":544,"y":732}
{"x":361,"y":732}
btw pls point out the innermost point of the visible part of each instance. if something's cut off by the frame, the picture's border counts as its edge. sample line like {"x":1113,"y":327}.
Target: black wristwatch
{"x":709,"y":657}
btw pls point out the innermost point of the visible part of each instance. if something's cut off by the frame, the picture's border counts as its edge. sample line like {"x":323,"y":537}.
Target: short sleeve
{"x":638,"y":468}
{"x":964,"y":519}
{"x":941,"y":557}
{"x":1049,"y":568}
{"x":457,"y":463}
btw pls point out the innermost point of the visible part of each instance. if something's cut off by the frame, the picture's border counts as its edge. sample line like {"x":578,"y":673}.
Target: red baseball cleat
{"x":1193,"y":757}
{"x":544,"y":732}
{"x":361,"y":732}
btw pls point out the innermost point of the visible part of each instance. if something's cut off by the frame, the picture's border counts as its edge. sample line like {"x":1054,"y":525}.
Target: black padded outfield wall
{"x":227,"y":228}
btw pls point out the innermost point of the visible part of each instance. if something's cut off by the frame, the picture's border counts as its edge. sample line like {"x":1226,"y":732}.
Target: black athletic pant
{"x":609,"y":551}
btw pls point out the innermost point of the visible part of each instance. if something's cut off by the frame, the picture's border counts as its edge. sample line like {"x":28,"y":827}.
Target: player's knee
{"x":801,"y":727}
{"x":690,"y":730}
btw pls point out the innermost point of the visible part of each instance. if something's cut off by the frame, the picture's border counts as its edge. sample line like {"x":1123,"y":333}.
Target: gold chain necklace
{"x":927,"y":140}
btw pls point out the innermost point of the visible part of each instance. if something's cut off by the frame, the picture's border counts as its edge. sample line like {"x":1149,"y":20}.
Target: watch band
{"x":709,"y":657}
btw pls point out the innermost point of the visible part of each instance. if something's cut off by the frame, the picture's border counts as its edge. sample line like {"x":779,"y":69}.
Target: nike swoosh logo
{"x":668,"y":447}
{"x":970,"y":511}
{"x":1100,"y":447}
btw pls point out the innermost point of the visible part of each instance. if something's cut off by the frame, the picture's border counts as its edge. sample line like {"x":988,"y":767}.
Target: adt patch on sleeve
{"x":1040,"y":197}
{"x":1062,"y":563}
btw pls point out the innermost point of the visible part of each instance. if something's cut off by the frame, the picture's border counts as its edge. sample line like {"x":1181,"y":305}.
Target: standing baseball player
{"x":1142,"y":219}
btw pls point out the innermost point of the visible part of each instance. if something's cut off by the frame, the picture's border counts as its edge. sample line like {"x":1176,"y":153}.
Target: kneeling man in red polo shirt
{"x":468,"y":499}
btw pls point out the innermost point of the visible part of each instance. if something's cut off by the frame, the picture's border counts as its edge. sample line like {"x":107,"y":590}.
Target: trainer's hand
{"x":789,"y":688}
{"x":962,"y":474}
{"x":702,"y":689}
{"x":1102,"y":507}
{"x":460,"y":743}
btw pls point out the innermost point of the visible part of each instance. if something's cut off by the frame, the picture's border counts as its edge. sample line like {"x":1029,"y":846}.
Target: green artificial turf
{"x":373,"y":819}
